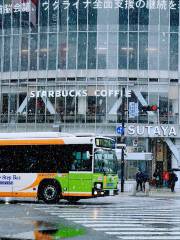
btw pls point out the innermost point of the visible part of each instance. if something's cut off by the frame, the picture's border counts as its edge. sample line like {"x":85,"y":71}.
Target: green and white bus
{"x":52,"y":166}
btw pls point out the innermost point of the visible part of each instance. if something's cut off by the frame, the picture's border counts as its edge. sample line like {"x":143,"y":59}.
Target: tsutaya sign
{"x":151,"y":131}
{"x":110,"y":4}
{"x":79,"y":93}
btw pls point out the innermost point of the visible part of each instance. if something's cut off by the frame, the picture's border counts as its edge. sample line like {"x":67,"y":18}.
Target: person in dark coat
{"x":139,"y":180}
{"x":157,"y":175}
{"x":145,"y":179}
{"x":172,"y":180}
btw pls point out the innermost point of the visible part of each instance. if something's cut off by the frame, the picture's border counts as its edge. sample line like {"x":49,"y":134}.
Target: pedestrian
{"x":166,"y":178}
{"x":139,"y":180}
{"x":145,"y":179}
{"x":172,"y":180}
{"x":156,"y":175}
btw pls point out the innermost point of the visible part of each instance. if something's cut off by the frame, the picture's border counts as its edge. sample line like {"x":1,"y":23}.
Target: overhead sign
{"x":17,"y":7}
{"x":54,"y":5}
{"x":79,"y":93}
{"x":152,"y":131}
{"x":112,"y":4}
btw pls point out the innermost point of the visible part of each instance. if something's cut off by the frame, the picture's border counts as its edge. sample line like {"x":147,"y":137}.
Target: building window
{"x":133,"y":50}
{"x":92,"y":39}
{"x":174,"y":52}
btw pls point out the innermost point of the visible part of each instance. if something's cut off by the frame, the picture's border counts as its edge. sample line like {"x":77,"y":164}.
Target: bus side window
{"x":47,"y":159}
{"x":5,"y":160}
{"x":82,"y":161}
{"x":61,"y":158}
{"x":31,"y":164}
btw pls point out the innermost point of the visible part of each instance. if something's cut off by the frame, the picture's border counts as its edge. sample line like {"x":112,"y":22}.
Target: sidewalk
{"x":153,"y":192}
{"x":163,"y":192}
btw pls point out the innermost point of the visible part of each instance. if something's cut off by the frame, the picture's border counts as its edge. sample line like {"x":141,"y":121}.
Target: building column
{"x":176,"y":164}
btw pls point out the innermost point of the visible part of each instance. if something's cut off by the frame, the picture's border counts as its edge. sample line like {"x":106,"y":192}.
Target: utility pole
{"x":122,"y":139}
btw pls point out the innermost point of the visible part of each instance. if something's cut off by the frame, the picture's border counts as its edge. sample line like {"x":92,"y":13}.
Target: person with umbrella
{"x":172,"y":180}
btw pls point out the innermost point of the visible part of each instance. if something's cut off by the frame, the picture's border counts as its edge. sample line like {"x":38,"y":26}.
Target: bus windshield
{"x":105,"y":161}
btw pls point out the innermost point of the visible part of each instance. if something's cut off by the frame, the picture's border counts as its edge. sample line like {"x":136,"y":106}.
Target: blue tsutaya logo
{"x":78,"y":93}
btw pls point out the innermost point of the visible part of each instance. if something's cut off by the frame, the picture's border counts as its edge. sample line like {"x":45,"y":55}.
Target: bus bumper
{"x":98,"y":193}
{"x":110,"y":192}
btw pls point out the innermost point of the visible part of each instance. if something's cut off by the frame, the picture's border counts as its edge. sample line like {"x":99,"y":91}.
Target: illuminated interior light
{"x":127,"y":49}
{"x":151,"y":49}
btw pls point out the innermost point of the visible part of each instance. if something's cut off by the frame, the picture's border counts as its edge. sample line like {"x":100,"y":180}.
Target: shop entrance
{"x":161,"y":156}
{"x":159,"y":167}
{"x":132,"y":166}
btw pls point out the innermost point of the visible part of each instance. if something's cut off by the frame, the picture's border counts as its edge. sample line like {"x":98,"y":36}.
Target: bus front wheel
{"x":50,"y":192}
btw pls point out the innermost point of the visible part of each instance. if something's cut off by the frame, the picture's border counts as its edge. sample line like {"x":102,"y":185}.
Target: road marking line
{"x":120,"y":214}
{"x":146,"y":233}
{"x":123,"y":219}
{"x":118,"y":221}
{"x":148,"y":237}
{"x":136,"y":228}
{"x":109,"y":224}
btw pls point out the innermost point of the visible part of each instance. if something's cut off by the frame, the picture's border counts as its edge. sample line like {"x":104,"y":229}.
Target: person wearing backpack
{"x":145,"y":180}
{"x":139,"y":180}
{"x":157,"y":176}
{"x":173,"y":179}
{"x":165,"y":178}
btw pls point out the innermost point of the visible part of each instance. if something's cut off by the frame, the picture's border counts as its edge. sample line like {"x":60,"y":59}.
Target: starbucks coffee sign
{"x":151,"y":130}
{"x":79,"y":93}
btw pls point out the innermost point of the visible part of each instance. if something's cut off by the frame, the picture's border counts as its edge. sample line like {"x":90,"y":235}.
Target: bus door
{"x":80,"y":174}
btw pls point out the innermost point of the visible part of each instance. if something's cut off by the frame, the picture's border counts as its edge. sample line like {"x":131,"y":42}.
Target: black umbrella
{"x":174,"y":169}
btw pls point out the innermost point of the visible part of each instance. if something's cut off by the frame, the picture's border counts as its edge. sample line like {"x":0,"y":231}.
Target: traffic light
{"x":152,"y":108}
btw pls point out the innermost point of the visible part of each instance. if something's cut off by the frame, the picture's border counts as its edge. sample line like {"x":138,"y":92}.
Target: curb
{"x":150,"y":194}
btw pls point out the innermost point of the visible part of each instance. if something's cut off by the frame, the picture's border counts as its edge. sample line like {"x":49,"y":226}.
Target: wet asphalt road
{"x":21,"y":220}
{"x":117,"y":217}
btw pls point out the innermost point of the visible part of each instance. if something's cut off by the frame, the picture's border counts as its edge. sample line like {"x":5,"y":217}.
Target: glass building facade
{"x":63,"y":65}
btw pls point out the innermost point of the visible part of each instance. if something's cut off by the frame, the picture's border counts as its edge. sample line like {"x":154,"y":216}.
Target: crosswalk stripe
{"x":134,"y":229}
{"x":76,"y":207}
{"x":117,"y":215}
{"x":109,"y":211}
{"x":73,"y":217}
{"x":111,"y":225}
{"x":121,"y":221}
{"x":104,"y":224}
{"x":145,"y":233}
{"x":120,"y":213}
{"x":127,"y":222}
{"x":148,"y":237}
